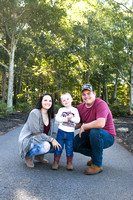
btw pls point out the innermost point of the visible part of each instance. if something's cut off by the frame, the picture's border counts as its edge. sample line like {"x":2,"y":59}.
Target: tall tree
{"x":15,"y":17}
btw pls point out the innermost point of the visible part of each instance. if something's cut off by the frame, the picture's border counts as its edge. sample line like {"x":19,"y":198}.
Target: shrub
{"x":4,"y":110}
{"x":23,"y":107}
{"x":118,"y":110}
{"x":56,"y":107}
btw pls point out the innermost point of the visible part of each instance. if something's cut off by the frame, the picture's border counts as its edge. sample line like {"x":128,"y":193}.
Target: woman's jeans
{"x":92,"y":144}
{"x":65,"y":138}
{"x":41,"y":148}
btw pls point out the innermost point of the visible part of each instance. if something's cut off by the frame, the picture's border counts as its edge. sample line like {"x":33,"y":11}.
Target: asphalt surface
{"x":17,"y":182}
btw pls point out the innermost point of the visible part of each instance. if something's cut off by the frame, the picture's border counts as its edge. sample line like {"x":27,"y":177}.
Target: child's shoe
{"x":69,"y":166}
{"x":69,"y":162}
{"x":55,"y":165}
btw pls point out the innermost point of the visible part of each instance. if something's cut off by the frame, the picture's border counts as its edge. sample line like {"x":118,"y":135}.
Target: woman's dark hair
{"x":39,"y":105}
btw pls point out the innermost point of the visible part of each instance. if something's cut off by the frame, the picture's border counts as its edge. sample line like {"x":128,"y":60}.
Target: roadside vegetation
{"x":57,"y":46}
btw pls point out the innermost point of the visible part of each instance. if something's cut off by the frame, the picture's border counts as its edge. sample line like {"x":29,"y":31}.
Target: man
{"x":97,"y":129}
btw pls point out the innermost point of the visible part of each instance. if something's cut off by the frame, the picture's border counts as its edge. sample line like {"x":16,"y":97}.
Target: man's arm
{"x":99,"y":123}
{"x":78,"y":126}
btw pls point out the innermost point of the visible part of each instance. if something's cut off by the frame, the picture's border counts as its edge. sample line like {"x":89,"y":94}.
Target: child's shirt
{"x":70,"y":125}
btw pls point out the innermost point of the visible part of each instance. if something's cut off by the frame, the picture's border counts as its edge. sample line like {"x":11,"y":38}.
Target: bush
{"x":23,"y":107}
{"x":56,"y":107}
{"x":119,"y":110}
{"x":4,"y":110}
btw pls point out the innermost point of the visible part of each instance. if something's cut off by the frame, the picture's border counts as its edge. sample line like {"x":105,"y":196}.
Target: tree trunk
{"x":87,"y":76}
{"x":106,"y":91}
{"x":11,"y":75}
{"x":15,"y":86}
{"x":99,"y":87}
{"x":20,"y":81}
{"x":4,"y":85}
{"x":131,"y":88}
{"x":115,"y":88}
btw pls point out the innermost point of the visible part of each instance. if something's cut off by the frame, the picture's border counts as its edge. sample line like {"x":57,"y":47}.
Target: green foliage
{"x":56,"y":107}
{"x":4,"y":110}
{"x":65,"y":44}
{"x":23,"y":107}
{"x":119,"y":110}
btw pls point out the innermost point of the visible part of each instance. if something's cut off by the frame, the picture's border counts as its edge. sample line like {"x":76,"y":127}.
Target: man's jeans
{"x":67,"y":139}
{"x":92,"y":144}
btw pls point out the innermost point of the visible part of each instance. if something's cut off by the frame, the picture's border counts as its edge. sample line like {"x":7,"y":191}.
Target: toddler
{"x":67,"y":117}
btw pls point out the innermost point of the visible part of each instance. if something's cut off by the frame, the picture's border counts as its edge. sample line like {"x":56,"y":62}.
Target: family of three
{"x":93,"y":118}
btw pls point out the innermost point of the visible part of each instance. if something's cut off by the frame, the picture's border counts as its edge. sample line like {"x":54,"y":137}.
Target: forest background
{"x":58,"y":45}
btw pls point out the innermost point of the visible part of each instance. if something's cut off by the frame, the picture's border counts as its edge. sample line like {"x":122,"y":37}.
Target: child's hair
{"x":66,"y":93}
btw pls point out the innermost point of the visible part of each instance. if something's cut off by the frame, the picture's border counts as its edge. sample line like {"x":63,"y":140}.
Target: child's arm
{"x":59,"y":118}
{"x":76,"y":117}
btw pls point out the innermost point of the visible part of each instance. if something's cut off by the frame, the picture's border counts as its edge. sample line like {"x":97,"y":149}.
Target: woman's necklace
{"x":45,"y":118}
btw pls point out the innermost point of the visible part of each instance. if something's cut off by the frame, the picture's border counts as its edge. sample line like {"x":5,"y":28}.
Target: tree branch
{"x":4,"y":65}
{"x":5,"y":49}
{"x":124,"y":77}
{"x":123,"y":6}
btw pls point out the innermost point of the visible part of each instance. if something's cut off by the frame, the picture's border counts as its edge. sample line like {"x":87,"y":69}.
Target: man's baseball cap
{"x":87,"y":87}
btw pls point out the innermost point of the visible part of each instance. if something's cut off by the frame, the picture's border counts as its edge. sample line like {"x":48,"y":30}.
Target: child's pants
{"x":67,"y":139}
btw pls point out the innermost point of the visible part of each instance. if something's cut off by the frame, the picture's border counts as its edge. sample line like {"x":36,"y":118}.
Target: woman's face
{"x":46,"y":102}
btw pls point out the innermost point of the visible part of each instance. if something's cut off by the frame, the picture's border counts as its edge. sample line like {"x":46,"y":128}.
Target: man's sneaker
{"x":89,"y":163}
{"x":93,"y":170}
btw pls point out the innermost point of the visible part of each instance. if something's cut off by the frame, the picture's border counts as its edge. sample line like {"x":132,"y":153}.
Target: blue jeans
{"x":92,"y":144}
{"x":67,"y":139}
{"x":39,"y":149}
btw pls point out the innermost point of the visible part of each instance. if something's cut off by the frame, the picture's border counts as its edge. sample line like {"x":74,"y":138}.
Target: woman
{"x":36,"y":137}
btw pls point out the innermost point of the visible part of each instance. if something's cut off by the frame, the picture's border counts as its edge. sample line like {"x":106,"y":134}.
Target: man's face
{"x":88,"y":97}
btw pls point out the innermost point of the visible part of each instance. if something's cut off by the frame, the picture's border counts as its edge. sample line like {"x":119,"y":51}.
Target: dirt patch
{"x":125,"y":139}
{"x":12,"y":121}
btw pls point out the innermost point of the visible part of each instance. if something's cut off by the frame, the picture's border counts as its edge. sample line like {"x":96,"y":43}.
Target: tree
{"x":17,"y":16}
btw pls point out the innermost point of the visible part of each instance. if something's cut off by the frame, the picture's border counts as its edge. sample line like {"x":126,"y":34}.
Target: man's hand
{"x":81,"y":131}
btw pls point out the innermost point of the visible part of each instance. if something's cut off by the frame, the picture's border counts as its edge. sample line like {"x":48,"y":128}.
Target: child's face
{"x":66,"y":100}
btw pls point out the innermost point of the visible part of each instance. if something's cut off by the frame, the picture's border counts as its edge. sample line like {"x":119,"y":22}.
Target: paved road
{"x":17,"y":182}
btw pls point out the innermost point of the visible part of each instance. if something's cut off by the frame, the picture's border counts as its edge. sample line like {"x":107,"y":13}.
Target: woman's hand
{"x":55,"y":144}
